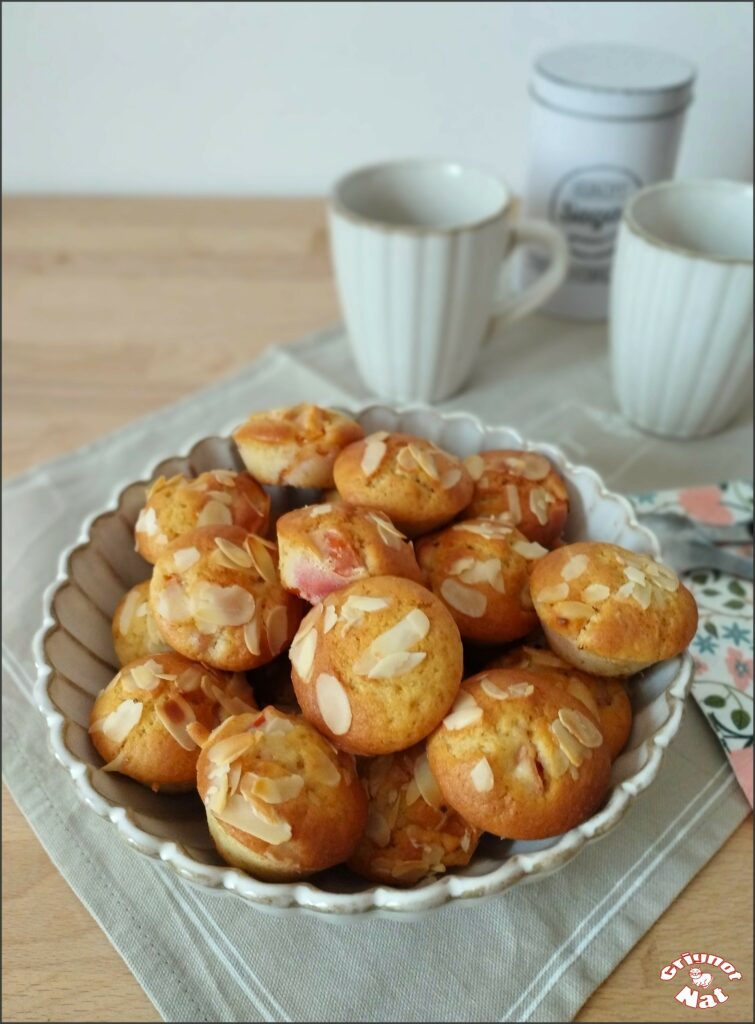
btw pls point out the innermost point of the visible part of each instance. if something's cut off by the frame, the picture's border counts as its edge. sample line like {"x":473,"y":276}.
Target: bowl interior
{"x":78,"y":648}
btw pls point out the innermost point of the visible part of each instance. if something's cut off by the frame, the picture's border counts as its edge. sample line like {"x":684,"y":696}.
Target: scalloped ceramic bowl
{"x":75,"y":659}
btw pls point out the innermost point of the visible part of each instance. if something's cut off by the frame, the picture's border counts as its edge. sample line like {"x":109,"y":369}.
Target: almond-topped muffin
{"x":135,"y":632}
{"x":324,"y":547}
{"x":217,"y":598}
{"x":480,"y":569}
{"x":411,"y":831}
{"x":296,"y":445}
{"x":610,"y":611}
{"x":144,"y":721}
{"x":519,"y":757}
{"x":377,"y":665}
{"x":281,"y":802}
{"x":606,"y":698}
{"x":520,"y":488}
{"x":418,"y":485}
{"x":176,"y":506}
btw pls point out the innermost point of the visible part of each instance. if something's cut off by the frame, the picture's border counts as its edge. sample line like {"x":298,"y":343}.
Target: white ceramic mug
{"x":681,"y":306}
{"x":418,"y":247}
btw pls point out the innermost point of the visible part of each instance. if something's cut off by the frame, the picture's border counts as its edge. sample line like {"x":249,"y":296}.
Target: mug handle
{"x":533,"y":232}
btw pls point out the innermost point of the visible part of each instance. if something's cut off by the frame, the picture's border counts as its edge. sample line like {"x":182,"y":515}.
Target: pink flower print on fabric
{"x":740,"y":668}
{"x":704,"y":503}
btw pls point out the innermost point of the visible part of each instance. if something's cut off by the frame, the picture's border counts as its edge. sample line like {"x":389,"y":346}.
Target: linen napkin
{"x":723,"y":646}
{"x":535,"y":953}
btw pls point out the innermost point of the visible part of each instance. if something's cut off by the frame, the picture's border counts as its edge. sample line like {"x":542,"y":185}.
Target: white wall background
{"x":282,"y":97}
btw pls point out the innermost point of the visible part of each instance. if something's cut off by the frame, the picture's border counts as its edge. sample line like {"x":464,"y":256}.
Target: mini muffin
{"x":324,"y":547}
{"x":417,"y":484}
{"x":135,"y":632}
{"x":377,"y":665}
{"x":216,"y":598}
{"x":179,"y":505}
{"x":411,"y":832}
{"x":281,"y":802}
{"x":519,"y":757}
{"x":145,"y":722}
{"x":610,"y":611}
{"x":521,"y":488}
{"x":605,"y":698}
{"x":295,"y":446}
{"x":480,"y":569}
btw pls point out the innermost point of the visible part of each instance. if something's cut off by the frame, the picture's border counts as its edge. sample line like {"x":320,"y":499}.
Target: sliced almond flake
{"x":261,"y":557}
{"x":228,"y":749}
{"x":493,"y":691}
{"x":372,"y":457}
{"x":172,"y":603}
{"x":635,"y":575}
{"x":319,"y":510}
{"x":378,"y":435}
{"x":189,"y":680}
{"x":225,"y":477}
{"x":488,"y":528}
{"x":397,"y":640}
{"x":204,"y":627}
{"x":184,"y":558}
{"x":308,"y":623}
{"x":526,"y":769}
{"x":198,"y":485}
{"x":396,"y":664}
{"x":520,"y":689}
{"x":333,"y":702}
{"x":475,"y":466}
{"x":222,"y":496}
{"x":142,"y":610}
{"x":663,"y":576}
{"x":162,"y":539}
{"x":539,"y":504}
{"x":426,"y":782}
{"x":625,"y":591}
{"x":389,"y":535}
{"x":425,"y":461}
{"x":463,"y":599}
{"x":554,"y":593}
{"x":579,"y":690}
{"x":365,"y":603}
{"x":482,"y":776}
{"x":574,"y":567}
{"x":529,"y":549}
{"x":559,"y":763}
{"x":643,"y":595}
{"x":411,"y":793}
{"x":474,"y":570}
{"x":147,"y":522}
{"x":458,"y":567}
{"x":198,"y":732}
{"x":222,"y":606}
{"x":465,"y":842}
{"x":229,"y":703}
{"x":218,"y":558}
{"x":128,"y":610}
{"x":513,"y":503}
{"x":302,"y":654}
{"x":570,"y":745}
{"x":276,"y":626}
{"x":144,"y":677}
{"x":119,"y":723}
{"x":377,"y":828}
{"x":450,"y":478}
{"x":323,"y":769}
{"x":466,"y":711}
{"x":330,"y":618}
{"x":405,"y":459}
{"x":175,"y":714}
{"x":573,"y":611}
{"x":534,"y":466}
{"x":238,"y":556}
{"x":241,"y":814}
{"x":273,"y":790}
{"x":596,"y":592}
{"x":215,"y":513}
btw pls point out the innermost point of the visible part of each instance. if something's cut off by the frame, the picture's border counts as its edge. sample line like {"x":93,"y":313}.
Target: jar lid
{"x":613,"y":81}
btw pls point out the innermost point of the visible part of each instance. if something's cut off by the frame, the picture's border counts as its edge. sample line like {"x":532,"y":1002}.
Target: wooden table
{"x":114,"y":307}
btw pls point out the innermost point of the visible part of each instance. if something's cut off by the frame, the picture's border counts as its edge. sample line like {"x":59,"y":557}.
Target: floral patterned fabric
{"x":723,"y":646}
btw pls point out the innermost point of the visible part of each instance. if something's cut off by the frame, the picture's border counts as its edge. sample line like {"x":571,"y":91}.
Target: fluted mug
{"x":418,"y":249}
{"x":681,"y":306}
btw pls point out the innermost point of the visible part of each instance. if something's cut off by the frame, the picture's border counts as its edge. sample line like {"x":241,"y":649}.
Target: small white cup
{"x":418,"y":247}
{"x":681,"y":306}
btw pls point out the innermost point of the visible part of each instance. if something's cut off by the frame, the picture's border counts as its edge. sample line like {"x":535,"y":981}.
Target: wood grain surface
{"x":112,"y":308}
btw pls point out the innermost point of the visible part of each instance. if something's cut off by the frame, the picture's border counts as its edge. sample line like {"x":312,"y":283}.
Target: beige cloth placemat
{"x":535,"y":953}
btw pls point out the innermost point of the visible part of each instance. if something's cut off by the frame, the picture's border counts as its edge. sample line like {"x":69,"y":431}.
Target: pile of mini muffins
{"x":415,"y":660}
